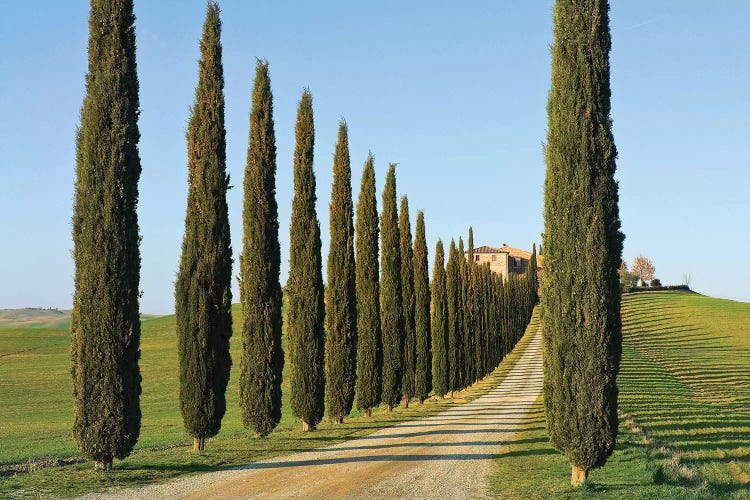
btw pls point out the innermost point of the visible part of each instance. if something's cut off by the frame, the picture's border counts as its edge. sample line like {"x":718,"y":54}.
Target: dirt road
{"x":446,"y":456}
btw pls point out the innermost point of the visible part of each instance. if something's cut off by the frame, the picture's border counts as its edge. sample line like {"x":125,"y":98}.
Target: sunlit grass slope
{"x":685,"y":430}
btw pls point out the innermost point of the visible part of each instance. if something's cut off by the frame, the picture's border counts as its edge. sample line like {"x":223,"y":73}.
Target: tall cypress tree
{"x":533,"y":272}
{"x":391,"y":307}
{"x":468,"y":305}
{"x":341,"y":301}
{"x":305,"y":285}
{"x":422,"y":367}
{"x":439,"y":325}
{"x":105,"y":324}
{"x":409,"y":358}
{"x":262,"y":359}
{"x":475,"y":311}
{"x":581,"y":321}
{"x":455,"y":318}
{"x":203,"y":295}
{"x":369,"y":342}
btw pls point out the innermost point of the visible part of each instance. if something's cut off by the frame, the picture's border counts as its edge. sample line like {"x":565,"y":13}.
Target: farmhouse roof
{"x":488,"y":249}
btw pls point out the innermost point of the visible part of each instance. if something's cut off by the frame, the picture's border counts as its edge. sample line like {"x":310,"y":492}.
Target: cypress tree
{"x":467,"y":315}
{"x":369,"y":342}
{"x":409,"y":359}
{"x":262,"y":359}
{"x":581,"y":321}
{"x":422,"y":367}
{"x":391,"y":307}
{"x":486,"y":356}
{"x":305,"y":285}
{"x":439,"y":325}
{"x":533,"y":276}
{"x":341,"y":305}
{"x":455,"y":318}
{"x":203,"y":295}
{"x":105,"y":324}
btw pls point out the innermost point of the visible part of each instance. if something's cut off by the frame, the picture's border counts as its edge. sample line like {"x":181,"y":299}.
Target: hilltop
{"x":35,"y":317}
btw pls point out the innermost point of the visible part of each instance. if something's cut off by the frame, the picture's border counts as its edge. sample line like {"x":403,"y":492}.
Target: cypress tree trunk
{"x":439,"y":325}
{"x":582,"y":242}
{"x":455,"y":318}
{"x":341,"y":306}
{"x":369,"y":342}
{"x":262,"y":360}
{"x":203,"y":296}
{"x":105,"y":324}
{"x":391,"y":307}
{"x":422,"y":368}
{"x":408,"y":301}
{"x":305,"y":286}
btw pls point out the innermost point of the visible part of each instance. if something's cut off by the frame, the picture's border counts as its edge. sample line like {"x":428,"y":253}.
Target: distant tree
{"x":341,"y":301}
{"x":369,"y":342}
{"x":655,"y":282}
{"x":686,"y":279}
{"x":262,"y":358}
{"x":203,"y":295}
{"x":455,"y":318}
{"x":580,"y":294}
{"x":409,"y":358}
{"x":627,"y":279}
{"x":423,"y":363}
{"x":105,"y":329}
{"x":533,"y":276}
{"x":643,"y":269}
{"x":439,"y":325}
{"x":305,"y":315}
{"x":391,"y":307}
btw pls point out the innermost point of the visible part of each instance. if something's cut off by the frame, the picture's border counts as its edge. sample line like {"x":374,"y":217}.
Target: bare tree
{"x":686,"y":279}
{"x":643,"y":268}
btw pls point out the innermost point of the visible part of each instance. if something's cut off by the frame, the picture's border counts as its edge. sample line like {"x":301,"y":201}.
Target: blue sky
{"x":455,"y":95}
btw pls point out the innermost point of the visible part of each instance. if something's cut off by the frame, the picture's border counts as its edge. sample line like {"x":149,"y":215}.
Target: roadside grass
{"x":164,"y":450}
{"x":680,"y":436}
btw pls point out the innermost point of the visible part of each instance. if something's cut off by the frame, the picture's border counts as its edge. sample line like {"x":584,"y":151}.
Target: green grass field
{"x":685,"y":394}
{"x":36,"y":420}
{"x":684,"y":385}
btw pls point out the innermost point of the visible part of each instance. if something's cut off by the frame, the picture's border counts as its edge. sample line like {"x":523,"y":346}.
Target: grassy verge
{"x":685,"y":430}
{"x":170,"y":455}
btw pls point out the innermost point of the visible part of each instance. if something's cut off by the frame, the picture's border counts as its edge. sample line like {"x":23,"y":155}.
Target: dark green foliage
{"x":468,"y":310}
{"x":472,"y":310}
{"x":203,"y":297}
{"x":369,"y":342}
{"x":105,"y":324}
{"x":262,"y":358}
{"x":582,"y":240}
{"x":533,"y":277}
{"x":455,"y":318}
{"x":480,"y":299}
{"x":341,"y":301}
{"x":391,"y":307}
{"x":422,"y":367}
{"x":409,"y":358}
{"x":305,"y":317}
{"x":439,"y":325}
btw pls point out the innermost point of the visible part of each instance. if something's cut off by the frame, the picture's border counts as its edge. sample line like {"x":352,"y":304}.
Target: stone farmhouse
{"x":504,"y":260}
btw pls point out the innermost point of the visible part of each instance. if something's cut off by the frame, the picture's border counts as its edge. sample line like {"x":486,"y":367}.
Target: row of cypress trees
{"x":371,"y":332}
{"x":477,"y":317}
